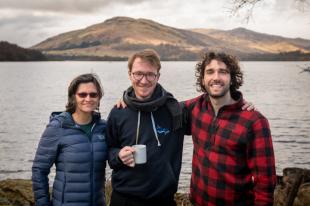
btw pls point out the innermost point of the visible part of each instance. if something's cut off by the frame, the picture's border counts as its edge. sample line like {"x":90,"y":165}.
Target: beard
{"x":217,"y":95}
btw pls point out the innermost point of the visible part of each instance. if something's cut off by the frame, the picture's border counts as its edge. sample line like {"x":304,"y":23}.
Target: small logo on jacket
{"x":101,"y":136}
{"x":162,"y":130}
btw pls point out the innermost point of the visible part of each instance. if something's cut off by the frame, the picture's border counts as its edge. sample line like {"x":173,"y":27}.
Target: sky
{"x":28,"y":22}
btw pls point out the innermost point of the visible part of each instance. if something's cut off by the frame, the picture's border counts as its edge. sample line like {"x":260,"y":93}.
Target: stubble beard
{"x":217,"y":96}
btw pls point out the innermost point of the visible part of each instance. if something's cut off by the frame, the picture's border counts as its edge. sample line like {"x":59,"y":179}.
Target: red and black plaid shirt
{"x":233,"y":159}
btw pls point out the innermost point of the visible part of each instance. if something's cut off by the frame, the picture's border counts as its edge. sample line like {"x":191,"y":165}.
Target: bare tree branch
{"x":248,"y":7}
{"x":244,"y":5}
{"x":302,"y":5}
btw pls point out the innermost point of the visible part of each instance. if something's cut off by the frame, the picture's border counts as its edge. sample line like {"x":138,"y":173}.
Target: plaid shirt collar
{"x":207,"y":106}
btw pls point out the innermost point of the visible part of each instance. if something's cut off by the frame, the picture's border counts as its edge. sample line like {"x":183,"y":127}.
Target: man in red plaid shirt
{"x":233,"y":160}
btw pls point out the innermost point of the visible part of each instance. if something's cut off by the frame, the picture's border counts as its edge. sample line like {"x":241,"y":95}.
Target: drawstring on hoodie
{"x":138,"y":127}
{"x":154,"y":129}
{"x":153,"y":125}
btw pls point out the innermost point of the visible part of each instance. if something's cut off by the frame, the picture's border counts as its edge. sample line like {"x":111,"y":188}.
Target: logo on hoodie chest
{"x":162,"y":130}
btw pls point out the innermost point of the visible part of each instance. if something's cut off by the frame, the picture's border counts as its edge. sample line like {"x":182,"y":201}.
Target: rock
{"x":303,"y":195}
{"x":108,"y":191}
{"x":182,"y":199}
{"x":293,"y":189}
{"x":16,"y":192}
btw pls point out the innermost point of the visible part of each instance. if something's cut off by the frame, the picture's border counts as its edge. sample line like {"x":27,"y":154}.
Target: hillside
{"x":264,"y":43}
{"x":12,"y":52}
{"x":118,"y":37}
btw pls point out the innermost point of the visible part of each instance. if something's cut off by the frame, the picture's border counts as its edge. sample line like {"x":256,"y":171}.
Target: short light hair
{"x":148,"y":55}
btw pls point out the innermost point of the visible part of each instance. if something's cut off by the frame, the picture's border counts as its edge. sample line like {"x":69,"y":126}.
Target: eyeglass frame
{"x":146,"y":75}
{"x":84,"y":95}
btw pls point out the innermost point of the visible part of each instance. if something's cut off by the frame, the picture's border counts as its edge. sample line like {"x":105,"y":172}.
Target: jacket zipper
{"x":92,"y":160}
{"x":213,"y":128}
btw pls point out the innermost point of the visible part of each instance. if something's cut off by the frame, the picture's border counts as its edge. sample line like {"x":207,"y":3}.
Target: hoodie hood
{"x":159,"y":98}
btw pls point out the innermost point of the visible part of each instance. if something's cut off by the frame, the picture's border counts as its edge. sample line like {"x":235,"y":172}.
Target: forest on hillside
{"x":13,"y":52}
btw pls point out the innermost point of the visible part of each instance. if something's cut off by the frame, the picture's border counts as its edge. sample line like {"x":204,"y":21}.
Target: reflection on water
{"x":30,"y":91}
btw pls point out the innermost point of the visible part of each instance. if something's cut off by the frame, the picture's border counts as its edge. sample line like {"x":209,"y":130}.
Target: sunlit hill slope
{"x":119,"y":37}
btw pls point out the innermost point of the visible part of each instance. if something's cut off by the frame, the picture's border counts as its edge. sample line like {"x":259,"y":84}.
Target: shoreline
{"x":293,"y":188}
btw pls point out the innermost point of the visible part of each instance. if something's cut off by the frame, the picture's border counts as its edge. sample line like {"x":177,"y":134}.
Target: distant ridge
{"x":12,"y":52}
{"x":119,"y":37}
{"x":259,"y":41}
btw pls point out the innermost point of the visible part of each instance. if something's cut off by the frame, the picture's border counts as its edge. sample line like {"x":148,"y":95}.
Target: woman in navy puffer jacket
{"x":74,"y":141}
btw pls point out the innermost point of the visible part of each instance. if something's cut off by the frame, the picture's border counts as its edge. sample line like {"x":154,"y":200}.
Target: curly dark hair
{"x":83,"y":78}
{"x":232,"y":64}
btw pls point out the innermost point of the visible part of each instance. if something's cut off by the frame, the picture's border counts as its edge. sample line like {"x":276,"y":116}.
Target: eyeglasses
{"x":85,"y":94}
{"x":150,"y":76}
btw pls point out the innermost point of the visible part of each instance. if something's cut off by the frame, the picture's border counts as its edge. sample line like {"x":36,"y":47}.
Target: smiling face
{"x":145,"y":87}
{"x":86,"y":97}
{"x":217,"y":79}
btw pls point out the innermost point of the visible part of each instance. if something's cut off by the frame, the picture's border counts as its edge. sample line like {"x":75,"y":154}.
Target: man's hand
{"x":249,"y":106}
{"x":126,"y":156}
{"x":120,"y":104}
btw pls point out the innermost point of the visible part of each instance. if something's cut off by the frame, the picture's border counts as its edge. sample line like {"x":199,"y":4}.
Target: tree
{"x":249,"y":5}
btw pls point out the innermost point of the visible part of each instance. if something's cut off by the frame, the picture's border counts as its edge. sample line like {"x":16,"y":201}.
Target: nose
{"x":216,"y":75}
{"x":144,"y":80}
{"x":87,"y":98}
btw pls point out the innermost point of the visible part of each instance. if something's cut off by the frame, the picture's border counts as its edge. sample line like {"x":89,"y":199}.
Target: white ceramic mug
{"x":140,"y":153}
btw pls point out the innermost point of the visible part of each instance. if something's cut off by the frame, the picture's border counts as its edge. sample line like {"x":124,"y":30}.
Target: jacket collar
{"x":237,"y":96}
{"x":66,"y":120}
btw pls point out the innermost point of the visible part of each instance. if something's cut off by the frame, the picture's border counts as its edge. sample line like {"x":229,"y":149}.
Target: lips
{"x":216,"y":82}
{"x":142,"y":85}
{"x":216,"y":85}
{"x":88,"y":105}
{"x":144,"y":88}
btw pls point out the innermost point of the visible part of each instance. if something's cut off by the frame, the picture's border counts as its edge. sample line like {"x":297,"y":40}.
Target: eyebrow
{"x":219,"y":68}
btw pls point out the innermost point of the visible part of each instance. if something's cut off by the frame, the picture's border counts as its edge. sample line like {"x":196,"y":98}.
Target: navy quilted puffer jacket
{"x":80,"y":163}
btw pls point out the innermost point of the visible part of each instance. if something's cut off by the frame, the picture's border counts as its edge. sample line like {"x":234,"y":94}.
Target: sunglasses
{"x":85,"y":94}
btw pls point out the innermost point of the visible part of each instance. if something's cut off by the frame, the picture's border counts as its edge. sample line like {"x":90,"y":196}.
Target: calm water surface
{"x":31,"y":91}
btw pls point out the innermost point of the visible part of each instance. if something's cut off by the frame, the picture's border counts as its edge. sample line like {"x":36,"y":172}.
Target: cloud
{"x":27,"y":28}
{"x":70,"y":6}
{"x":28,"y":22}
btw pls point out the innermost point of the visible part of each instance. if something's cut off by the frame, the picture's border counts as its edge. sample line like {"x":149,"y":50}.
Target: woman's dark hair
{"x":232,"y":64}
{"x":83,"y":78}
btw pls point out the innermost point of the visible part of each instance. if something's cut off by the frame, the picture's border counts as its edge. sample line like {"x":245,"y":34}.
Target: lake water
{"x":30,"y":91}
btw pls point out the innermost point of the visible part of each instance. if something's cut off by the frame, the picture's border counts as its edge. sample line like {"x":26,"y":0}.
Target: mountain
{"x":119,"y":37}
{"x":260,"y":42}
{"x":12,"y":52}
